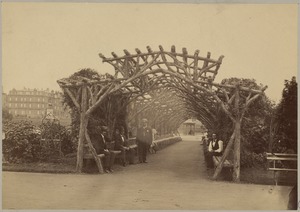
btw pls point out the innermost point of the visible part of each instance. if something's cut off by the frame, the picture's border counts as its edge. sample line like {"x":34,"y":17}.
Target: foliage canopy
{"x":286,"y":118}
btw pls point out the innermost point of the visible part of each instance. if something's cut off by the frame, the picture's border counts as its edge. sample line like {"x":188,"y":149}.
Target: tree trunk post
{"x":94,"y":153}
{"x":226,"y":152}
{"x":126,"y":128}
{"x":237,"y":140}
{"x":271,"y":134}
{"x":237,"y":153}
{"x":83,"y":124}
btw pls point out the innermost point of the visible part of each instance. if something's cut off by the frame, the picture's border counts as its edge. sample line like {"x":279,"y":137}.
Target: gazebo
{"x":189,"y":126}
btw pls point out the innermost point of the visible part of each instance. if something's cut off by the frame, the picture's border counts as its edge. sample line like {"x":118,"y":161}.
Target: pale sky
{"x":44,"y":42}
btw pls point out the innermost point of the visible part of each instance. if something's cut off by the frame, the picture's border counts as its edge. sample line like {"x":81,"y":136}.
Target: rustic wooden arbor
{"x":163,"y":109}
{"x":185,"y":83}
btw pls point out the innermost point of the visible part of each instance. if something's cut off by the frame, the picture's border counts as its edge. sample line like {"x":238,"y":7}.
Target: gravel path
{"x":174,"y":179}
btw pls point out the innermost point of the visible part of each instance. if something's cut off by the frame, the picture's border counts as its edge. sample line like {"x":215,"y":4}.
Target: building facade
{"x":4,"y":100}
{"x":34,"y":104}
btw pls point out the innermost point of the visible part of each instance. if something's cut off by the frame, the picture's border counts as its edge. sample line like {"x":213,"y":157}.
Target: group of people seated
{"x":119,"y":142}
{"x":103,"y":144}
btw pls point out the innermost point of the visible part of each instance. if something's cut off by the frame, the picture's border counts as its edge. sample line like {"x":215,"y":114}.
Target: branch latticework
{"x":165,"y":86}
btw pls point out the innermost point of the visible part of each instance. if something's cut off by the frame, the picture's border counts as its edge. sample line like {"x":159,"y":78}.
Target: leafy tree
{"x":111,"y":112}
{"x":6,"y":116}
{"x":286,"y":118}
{"x":255,"y":125}
{"x":75,"y":114}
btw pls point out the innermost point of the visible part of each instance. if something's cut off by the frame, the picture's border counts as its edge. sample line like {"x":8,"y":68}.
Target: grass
{"x":66,"y":165}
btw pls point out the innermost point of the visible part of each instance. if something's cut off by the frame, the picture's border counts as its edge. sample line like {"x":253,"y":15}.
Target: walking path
{"x":174,"y":179}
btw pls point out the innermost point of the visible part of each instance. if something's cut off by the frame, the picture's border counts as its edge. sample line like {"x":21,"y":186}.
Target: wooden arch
{"x":188,"y":77}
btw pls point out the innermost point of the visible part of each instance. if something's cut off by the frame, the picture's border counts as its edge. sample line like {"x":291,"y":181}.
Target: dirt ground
{"x":174,"y":179}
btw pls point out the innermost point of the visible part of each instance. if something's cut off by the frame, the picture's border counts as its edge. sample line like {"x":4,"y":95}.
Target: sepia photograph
{"x":149,"y":106}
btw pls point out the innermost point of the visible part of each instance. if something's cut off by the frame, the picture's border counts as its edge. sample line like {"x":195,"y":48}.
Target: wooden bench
{"x":227,"y":163}
{"x":277,"y":162}
{"x":161,"y":143}
{"x":133,"y":146}
{"x":132,"y":143}
{"x":87,"y":155}
{"x":90,"y":156}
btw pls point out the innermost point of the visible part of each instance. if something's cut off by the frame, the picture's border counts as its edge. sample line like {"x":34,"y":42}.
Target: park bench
{"x":132,"y":143}
{"x":227,"y":169}
{"x":281,"y":162}
{"x":161,"y":143}
{"x":216,"y":159}
{"x":87,"y":155}
{"x":227,"y":163}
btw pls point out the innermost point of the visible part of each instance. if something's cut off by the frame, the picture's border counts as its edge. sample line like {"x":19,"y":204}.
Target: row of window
{"x":24,"y":105}
{"x":33,"y":93}
{"x":24,"y":99}
{"x":34,"y":112}
{"x":32,"y":99}
{"x":10,"y":105}
{"x":24,"y":112}
{"x":28,"y":92}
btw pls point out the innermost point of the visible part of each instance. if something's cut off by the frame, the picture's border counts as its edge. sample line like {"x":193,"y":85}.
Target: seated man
{"x":215,"y":148}
{"x":105,"y":146}
{"x":122,"y":145}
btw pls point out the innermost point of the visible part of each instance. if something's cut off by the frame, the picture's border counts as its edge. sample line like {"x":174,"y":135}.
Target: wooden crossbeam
{"x":184,"y":67}
{"x":154,"y":53}
{"x":196,"y":74}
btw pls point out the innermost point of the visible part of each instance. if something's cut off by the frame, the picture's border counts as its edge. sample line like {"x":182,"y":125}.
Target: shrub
{"x":54,"y":134}
{"x":21,"y":143}
{"x":252,"y":159}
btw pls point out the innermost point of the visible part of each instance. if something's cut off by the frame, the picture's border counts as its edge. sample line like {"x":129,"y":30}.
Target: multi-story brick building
{"x":34,"y":104}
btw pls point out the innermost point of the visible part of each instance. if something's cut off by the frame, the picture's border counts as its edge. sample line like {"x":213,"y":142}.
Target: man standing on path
{"x":144,"y":140}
